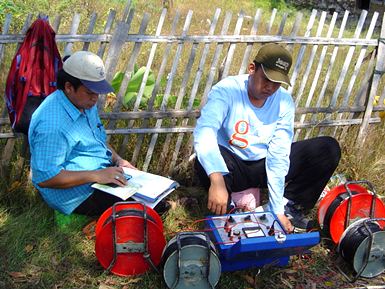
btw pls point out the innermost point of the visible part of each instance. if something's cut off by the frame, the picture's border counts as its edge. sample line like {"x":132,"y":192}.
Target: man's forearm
{"x":67,"y":179}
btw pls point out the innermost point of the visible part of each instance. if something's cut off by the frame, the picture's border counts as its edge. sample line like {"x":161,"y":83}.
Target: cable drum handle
{"x":372,"y":206}
{"x":146,"y":253}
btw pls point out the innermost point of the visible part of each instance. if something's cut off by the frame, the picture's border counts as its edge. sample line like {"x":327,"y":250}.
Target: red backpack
{"x":32,"y":75}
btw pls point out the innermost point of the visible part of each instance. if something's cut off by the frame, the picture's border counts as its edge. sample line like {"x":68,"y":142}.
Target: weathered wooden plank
{"x":307,"y":72}
{"x":301,"y":52}
{"x":282,"y":24}
{"x":231,"y":49}
{"x":24,"y":29}
{"x":107,"y":29}
{"x":319,"y":68}
{"x":271,"y":22}
{"x":345,"y":67}
{"x":90,"y":29}
{"x":14,"y":38}
{"x":170,"y":80}
{"x":362,"y":93}
{"x":359,"y":60}
{"x":331,"y":65}
{"x":130,"y":65}
{"x":156,"y":88}
{"x":182,"y":91}
{"x":116,"y":45}
{"x":5,"y":29}
{"x":126,"y":10}
{"x":189,"y":129}
{"x":332,"y":60}
{"x":194,"y":89}
{"x":348,"y":59}
{"x":178,"y":104}
{"x":195,"y":113}
{"x":56,"y":24}
{"x":114,"y":51}
{"x":380,"y":68}
{"x":128,"y":74}
{"x":309,"y":64}
{"x":215,"y":60}
{"x":357,"y":67}
{"x":150,"y":61}
{"x":249,"y":46}
{"x":73,"y":30}
{"x":295,"y":29}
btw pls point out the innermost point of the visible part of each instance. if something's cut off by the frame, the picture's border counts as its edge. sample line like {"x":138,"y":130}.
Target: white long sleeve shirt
{"x":229,"y":119}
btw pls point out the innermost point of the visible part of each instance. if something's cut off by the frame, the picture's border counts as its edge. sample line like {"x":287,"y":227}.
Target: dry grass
{"x":36,"y":253}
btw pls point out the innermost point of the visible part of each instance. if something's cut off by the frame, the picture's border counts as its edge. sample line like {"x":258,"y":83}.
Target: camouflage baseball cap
{"x":275,"y":61}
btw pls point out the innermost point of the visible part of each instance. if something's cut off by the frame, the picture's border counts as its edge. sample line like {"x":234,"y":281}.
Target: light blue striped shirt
{"x":63,"y":138}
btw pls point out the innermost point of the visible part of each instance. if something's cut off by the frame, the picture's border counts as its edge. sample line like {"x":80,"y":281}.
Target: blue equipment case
{"x":255,"y":239}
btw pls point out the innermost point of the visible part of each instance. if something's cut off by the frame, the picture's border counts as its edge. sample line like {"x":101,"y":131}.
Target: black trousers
{"x":312,"y":163}
{"x":96,"y":204}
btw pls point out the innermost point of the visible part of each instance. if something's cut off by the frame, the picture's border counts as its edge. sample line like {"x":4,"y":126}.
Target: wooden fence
{"x":336,"y":73}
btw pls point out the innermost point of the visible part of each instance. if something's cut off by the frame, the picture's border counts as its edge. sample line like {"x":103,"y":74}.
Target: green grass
{"x":37,"y":253}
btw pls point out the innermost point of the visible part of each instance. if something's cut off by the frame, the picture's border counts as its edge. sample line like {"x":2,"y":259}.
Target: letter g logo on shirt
{"x":241,"y":128}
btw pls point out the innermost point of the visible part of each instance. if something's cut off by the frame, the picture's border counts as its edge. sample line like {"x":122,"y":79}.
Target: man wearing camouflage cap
{"x":243,"y":142}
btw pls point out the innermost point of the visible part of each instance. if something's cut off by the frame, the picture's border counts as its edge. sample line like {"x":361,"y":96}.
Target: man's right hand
{"x":111,"y":175}
{"x":287,"y":225}
{"x":218,"y":195}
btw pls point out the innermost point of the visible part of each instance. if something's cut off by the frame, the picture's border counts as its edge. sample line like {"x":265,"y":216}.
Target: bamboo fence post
{"x":107,"y":29}
{"x":156,"y":86}
{"x":194,"y":90}
{"x":307,"y":73}
{"x":7,"y":24}
{"x":144,"y":80}
{"x":319,"y":69}
{"x":56,"y":23}
{"x":90,"y":29}
{"x":116,"y":45}
{"x":73,"y":31}
{"x":379,"y":71}
{"x":213,"y":66}
{"x":301,"y":52}
{"x":331,"y":65}
{"x":249,"y":46}
{"x":357,"y":67}
{"x":270,"y":23}
{"x":230,"y":51}
{"x":167,"y":91}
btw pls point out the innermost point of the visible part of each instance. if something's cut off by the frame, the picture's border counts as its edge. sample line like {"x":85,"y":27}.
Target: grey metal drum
{"x":190,"y":261}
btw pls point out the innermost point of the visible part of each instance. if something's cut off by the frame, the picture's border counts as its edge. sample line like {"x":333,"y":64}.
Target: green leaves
{"x":133,"y":86}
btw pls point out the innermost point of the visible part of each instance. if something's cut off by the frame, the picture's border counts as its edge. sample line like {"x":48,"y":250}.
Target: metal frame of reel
{"x":371,"y":218}
{"x":179,"y":249}
{"x":372,"y":206}
{"x":130,"y":247}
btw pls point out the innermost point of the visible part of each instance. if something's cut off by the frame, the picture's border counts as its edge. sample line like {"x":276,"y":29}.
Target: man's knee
{"x":331,"y":147}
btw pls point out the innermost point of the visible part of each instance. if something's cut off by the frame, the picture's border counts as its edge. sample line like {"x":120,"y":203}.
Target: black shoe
{"x":295,"y":214}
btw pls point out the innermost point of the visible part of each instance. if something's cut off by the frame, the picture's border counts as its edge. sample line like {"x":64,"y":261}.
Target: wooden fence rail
{"x":335,"y":77}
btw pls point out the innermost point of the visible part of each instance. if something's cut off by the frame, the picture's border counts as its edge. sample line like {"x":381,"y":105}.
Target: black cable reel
{"x":363,"y":246}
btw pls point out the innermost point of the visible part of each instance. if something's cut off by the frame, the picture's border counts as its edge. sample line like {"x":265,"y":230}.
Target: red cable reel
{"x":345,"y":204}
{"x":129,"y":239}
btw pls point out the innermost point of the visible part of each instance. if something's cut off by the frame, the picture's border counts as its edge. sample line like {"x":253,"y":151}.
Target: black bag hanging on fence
{"x":33,"y":74}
